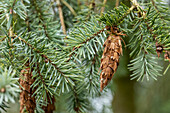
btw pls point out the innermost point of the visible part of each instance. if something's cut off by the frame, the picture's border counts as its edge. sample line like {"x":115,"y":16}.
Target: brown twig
{"x":154,"y":5}
{"x":3,"y":39}
{"x":70,"y":8}
{"x":11,"y":13}
{"x":13,"y":4}
{"x":117,"y":3}
{"x":61,"y":16}
{"x":102,"y":9}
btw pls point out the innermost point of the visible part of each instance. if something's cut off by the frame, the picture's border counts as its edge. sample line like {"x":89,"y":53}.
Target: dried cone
{"x":26,"y":99}
{"x":110,"y":59}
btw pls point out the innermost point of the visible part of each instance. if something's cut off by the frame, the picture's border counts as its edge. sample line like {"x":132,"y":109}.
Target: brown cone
{"x":110,"y":59}
{"x":26,"y":99}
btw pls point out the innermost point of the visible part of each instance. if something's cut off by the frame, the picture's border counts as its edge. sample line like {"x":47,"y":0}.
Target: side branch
{"x":125,"y":15}
{"x":39,"y":13}
{"x":95,"y":34}
{"x":77,"y":105}
{"x":74,"y":48}
{"x":42,"y":55}
{"x":156,"y":8}
{"x":159,"y":48}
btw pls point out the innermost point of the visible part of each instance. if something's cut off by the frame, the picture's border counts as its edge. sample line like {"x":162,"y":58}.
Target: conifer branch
{"x":42,"y":55}
{"x":95,"y":34}
{"x":41,"y":77}
{"x":156,"y":8}
{"x":159,"y":48}
{"x":9,"y":89}
{"x":76,"y":104}
{"x":35,"y":51}
{"x":93,"y":75}
{"x":77,"y":100}
{"x":39,"y":13}
{"x":125,"y":15}
{"x":87,"y":40}
{"x":116,"y":16}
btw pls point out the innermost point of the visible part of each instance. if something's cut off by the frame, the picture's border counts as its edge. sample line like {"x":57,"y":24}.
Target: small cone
{"x":110,"y":59}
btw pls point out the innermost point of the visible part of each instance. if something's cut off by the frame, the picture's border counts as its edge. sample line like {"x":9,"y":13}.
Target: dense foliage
{"x":61,"y":47}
